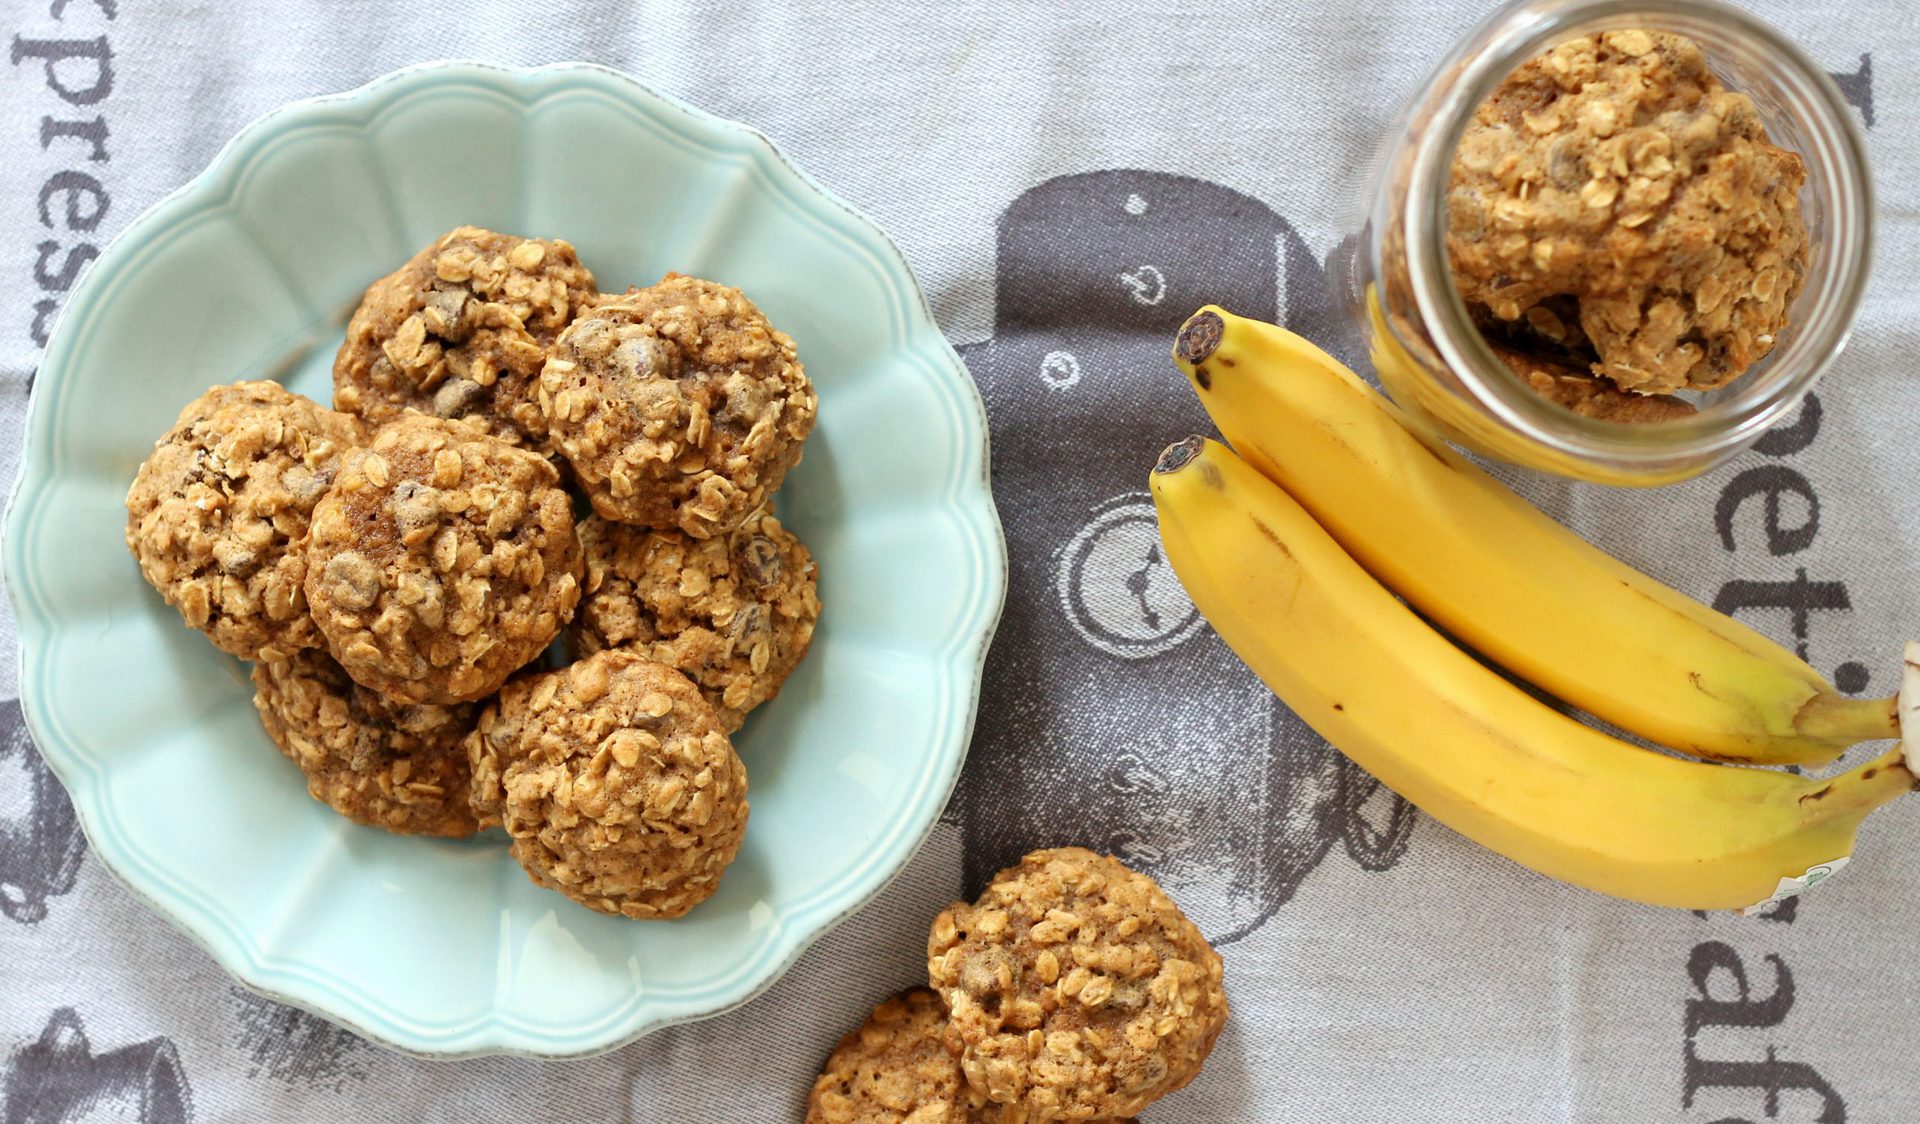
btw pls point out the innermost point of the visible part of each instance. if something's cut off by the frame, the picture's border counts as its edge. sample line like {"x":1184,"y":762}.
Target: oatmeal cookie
{"x":678,"y":405}
{"x":1617,"y":170}
{"x":441,"y":561}
{"x":616,"y":783}
{"x":461,"y":331}
{"x":378,"y":762}
{"x":1077,"y":990}
{"x":218,"y":513}
{"x":893,"y":1070}
{"x":896,"y":1069}
{"x":1589,"y":395}
{"x":735,"y":612}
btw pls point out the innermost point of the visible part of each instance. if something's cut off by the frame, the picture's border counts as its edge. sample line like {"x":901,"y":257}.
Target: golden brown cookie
{"x":1076,"y":989}
{"x":1589,"y":395}
{"x":678,"y":405}
{"x":1617,"y":170}
{"x":616,"y":783}
{"x":218,"y":513}
{"x":377,"y":762}
{"x":734,"y":612}
{"x":896,"y":1069}
{"x":441,"y":561}
{"x":461,"y":331}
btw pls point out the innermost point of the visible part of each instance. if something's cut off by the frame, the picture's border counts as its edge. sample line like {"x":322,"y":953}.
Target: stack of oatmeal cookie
{"x":1072,"y":989}
{"x":398,"y":568}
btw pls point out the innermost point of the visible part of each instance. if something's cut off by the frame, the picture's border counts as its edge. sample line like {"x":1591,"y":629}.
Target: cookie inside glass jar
{"x":1622,"y":227}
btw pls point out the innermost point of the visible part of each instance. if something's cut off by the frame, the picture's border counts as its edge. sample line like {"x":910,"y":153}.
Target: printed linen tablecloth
{"x":1070,"y":181}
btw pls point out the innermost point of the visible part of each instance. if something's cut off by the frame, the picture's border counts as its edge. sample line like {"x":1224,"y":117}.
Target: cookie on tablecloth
{"x":896,"y":1069}
{"x":1076,"y":990}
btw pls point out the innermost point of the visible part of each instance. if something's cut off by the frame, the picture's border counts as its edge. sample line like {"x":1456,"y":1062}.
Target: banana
{"x":1477,"y":753}
{"x":1500,"y":575}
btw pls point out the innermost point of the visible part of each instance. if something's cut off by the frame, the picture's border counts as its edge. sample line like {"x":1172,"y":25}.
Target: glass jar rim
{"x":1838,"y":154}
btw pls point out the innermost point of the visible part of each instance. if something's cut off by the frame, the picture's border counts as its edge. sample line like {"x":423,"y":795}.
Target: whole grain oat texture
{"x":678,"y":405}
{"x":1616,"y":170}
{"x":217,"y":515}
{"x":896,"y":1069}
{"x":386,"y":764}
{"x":442,"y":561}
{"x":460,"y":331}
{"x":1076,"y":990}
{"x":616,"y":782}
{"x":734,"y":612}
{"x":1590,"y":396}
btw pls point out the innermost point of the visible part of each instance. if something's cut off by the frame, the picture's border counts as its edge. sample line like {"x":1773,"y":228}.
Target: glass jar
{"x":1433,"y":360}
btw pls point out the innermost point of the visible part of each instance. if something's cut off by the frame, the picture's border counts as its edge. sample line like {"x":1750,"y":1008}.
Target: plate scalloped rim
{"x":969,"y":497}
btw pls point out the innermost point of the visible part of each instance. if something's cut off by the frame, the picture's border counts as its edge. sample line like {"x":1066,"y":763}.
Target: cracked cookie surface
{"x":1076,"y":990}
{"x":461,"y":331}
{"x":896,"y":1069}
{"x":1617,"y":170}
{"x":678,"y":405}
{"x":442,"y":561}
{"x":392,"y":765}
{"x":218,"y":513}
{"x":616,"y":783}
{"x":734,"y":613}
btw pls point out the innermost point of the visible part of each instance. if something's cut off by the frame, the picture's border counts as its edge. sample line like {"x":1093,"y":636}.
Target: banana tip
{"x":1199,"y":337}
{"x":1179,"y":455}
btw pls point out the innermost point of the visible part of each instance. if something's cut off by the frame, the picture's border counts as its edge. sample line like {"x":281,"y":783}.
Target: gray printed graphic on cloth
{"x":1211,"y":785}
{"x":1070,"y":182}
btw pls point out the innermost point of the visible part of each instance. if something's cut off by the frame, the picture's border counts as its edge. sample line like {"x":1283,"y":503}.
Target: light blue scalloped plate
{"x":251,"y":269}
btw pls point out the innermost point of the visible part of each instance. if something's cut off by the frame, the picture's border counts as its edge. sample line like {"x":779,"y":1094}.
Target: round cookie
{"x":375,"y":761}
{"x":678,"y":405}
{"x":217,"y":513}
{"x":1076,"y":989}
{"x":896,"y":1069}
{"x":441,"y":561}
{"x":735,"y":612}
{"x":616,"y":783}
{"x":461,"y":331}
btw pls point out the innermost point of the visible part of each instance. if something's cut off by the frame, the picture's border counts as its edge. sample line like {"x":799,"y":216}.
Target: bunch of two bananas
{"x":1290,"y":550}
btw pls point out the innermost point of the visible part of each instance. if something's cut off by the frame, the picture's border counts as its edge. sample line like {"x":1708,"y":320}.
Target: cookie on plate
{"x":678,"y":405}
{"x":386,"y":764}
{"x":1076,"y":989}
{"x":896,"y":1069}
{"x":217,"y":513}
{"x":442,"y":561}
{"x":616,"y":782}
{"x":734,"y":612}
{"x":461,"y":331}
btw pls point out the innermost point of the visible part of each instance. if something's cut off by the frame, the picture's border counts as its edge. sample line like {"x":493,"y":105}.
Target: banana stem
{"x":1910,"y":704}
{"x":1835,"y":718}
